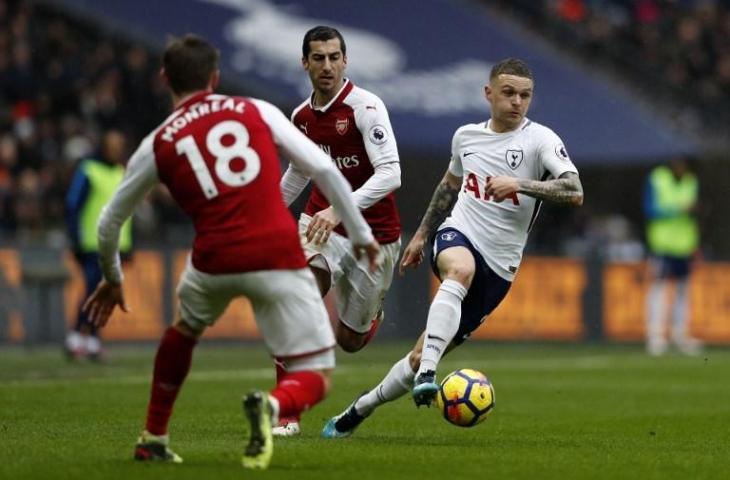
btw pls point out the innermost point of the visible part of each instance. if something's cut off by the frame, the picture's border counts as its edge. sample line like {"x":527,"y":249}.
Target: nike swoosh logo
{"x":466,"y":154}
{"x":434,"y":337}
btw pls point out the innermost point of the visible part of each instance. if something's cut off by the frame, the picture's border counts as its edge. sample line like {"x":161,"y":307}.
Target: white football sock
{"x":396,"y":383}
{"x":442,"y":324}
{"x":655,"y":313}
{"x":74,"y":341}
{"x":680,"y":312}
{"x":93,"y":345}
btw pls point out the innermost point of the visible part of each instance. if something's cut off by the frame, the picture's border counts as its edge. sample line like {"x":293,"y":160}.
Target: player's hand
{"x":100,"y":305}
{"x":502,"y":187}
{"x":322,"y":224}
{"x":371,"y":251}
{"x":413,"y":254}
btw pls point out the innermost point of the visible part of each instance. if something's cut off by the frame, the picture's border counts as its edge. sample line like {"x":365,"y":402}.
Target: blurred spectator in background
{"x":62,"y":81}
{"x":672,"y":236}
{"x":677,"y":50}
{"x":91,"y":188}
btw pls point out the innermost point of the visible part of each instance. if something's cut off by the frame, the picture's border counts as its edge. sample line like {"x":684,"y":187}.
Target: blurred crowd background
{"x":62,"y":83}
{"x":64,"y":80}
{"x":676,"y":52}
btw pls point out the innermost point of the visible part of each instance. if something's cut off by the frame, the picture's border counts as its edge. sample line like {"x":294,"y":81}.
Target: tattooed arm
{"x":442,"y":202}
{"x":566,"y":190}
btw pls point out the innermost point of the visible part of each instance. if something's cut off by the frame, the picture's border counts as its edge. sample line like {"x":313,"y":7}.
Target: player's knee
{"x":350,"y":342}
{"x":460,"y":273}
{"x":186,"y":329}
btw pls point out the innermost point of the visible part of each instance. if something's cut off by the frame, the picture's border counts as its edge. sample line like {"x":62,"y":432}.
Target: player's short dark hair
{"x":511,"y":66}
{"x":189,"y":62}
{"x":322,"y":33}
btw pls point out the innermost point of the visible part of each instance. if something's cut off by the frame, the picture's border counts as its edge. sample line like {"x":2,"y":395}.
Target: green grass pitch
{"x":562,"y":411}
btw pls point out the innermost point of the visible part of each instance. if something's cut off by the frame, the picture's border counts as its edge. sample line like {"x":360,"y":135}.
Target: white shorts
{"x":359,"y":294}
{"x":289,"y":312}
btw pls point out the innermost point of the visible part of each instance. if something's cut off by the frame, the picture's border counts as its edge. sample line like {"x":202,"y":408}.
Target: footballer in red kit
{"x":346,"y":129}
{"x":243,"y":229}
{"x":352,"y":126}
{"x":219,"y":158}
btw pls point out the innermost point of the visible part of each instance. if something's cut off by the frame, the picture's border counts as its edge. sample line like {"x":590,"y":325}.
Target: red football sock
{"x":172,"y":364}
{"x":280,"y":374}
{"x":297,"y":392}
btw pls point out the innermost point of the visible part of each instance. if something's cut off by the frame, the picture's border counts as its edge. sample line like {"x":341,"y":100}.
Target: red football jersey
{"x":217,"y":156}
{"x":355,"y":131}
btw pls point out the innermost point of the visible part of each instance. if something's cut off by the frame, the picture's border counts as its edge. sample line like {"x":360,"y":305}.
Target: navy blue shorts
{"x":487,"y":288}
{"x":671,"y":267}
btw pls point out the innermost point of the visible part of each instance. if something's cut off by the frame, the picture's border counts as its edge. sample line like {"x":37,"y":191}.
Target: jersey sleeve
{"x":371,"y":118}
{"x":553,"y":154}
{"x":139,"y":177}
{"x":455,"y":166}
{"x":314,"y":163}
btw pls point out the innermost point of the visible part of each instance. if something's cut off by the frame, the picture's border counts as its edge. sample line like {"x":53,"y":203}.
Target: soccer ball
{"x":465,"y":398}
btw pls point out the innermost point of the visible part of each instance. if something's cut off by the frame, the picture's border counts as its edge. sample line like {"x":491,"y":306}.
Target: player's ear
{"x":305,"y":63}
{"x":215,"y":79}
{"x":488,"y":93}
{"x":344,"y":60}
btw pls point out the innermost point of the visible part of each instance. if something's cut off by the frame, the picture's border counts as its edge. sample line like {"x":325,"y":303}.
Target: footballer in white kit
{"x":498,"y":229}
{"x":478,"y":220}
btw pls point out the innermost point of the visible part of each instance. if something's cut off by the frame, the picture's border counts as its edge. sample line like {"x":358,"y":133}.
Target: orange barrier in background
{"x":143,"y":280}
{"x":545,"y":302}
{"x":10,"y":273}
{"x":624,"y":291}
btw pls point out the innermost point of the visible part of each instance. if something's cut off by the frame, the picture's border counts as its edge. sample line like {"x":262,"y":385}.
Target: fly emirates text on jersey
{"x":342,"y":162}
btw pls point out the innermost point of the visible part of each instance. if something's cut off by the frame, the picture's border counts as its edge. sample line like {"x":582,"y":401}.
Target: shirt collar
{"x":341,"y":94}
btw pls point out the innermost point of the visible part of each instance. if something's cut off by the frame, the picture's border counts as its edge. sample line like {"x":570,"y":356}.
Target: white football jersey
{"x":499,"y":230}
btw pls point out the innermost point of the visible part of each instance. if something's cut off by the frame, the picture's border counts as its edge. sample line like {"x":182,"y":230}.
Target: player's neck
{"x":179,"y":99}
{"x":321,"y":99}
{"x":498,"y":127}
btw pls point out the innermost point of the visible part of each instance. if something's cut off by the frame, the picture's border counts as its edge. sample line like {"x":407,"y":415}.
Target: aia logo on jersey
{"x":341,"y":125}
{"x":514,"y":158}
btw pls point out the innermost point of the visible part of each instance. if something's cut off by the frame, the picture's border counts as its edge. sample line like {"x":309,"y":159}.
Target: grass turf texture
{"x":563,"y":411}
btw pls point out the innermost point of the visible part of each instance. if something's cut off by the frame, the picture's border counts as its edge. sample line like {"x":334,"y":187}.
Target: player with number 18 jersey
{"x":219,"y":157}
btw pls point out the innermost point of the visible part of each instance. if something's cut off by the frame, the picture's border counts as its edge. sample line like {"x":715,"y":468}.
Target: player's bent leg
{"x":352,"y":341}
{"x":290,"y":426}
{"x":305,"y":384}
{"x":441,"y":327}
{"x":172,"y":364}
{"x":349,"y":340}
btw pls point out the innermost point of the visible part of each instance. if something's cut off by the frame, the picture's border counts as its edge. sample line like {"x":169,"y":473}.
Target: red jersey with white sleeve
{"x":219,"y":157}
{"x":355,"y":131}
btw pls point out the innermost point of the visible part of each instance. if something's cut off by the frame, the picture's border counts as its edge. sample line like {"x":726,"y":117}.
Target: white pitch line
{"x":202,"y":376}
